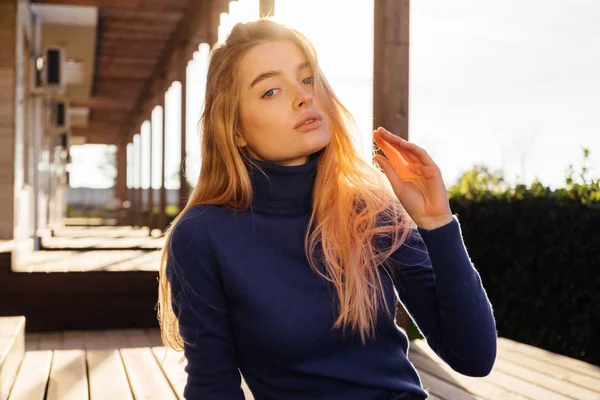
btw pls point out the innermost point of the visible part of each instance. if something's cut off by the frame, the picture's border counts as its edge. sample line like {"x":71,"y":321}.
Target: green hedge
{"x":538,"y":253}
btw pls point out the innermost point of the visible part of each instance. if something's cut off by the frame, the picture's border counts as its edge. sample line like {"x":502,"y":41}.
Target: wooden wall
{"x":8,"y":32}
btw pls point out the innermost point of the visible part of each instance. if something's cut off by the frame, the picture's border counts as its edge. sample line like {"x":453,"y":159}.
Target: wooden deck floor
{"x":132,"y":364}
{"x":94,"y":248}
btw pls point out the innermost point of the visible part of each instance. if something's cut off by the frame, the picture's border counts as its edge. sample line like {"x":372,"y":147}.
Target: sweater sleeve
{"x":442,"y":292}
{"x":199,"y":303}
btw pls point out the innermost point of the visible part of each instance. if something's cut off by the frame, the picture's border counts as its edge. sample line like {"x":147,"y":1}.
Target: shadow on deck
{"x":86,"y":278}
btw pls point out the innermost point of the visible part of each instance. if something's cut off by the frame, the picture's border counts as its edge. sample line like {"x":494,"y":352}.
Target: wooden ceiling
{"x":133,"y":37}
{"x":142,"y":46}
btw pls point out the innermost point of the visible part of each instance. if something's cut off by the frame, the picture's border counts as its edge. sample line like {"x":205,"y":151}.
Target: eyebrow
{"x":270,"y":74}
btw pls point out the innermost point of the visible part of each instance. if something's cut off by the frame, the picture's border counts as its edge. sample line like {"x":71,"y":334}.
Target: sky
{"x":512,"y":85}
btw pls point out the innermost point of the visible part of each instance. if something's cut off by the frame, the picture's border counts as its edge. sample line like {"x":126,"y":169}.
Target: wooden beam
{"x":110,"y":116}
{"x":156,"y":6}
{"x":124,"y":62}
{"x":105,"y":103}
{"x":120,"y":34}
{"x":129,"y":60}
{"x":119,"y":87}
{"x":144,"y":17}
{"x":391,"y":66}
{"x":115,"y":50}
{"x":129,"y":43}
{"x":122,"y":71}
{"x":136,"y":25}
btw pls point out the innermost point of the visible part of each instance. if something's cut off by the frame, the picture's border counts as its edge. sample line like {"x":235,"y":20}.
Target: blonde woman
{"x":288,"y":260}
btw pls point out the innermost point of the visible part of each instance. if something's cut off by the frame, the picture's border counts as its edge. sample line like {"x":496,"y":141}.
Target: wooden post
{"x":267,"y":8}
{"x":150,"y":191}
{"x":162,"y":214}
{"x":390,"y":79}
{"x":183,"y":185}
{"x":121,"y":181}
{"x":140,"y":197}
{"x":130,"y":190}
{"x":390,"y":66}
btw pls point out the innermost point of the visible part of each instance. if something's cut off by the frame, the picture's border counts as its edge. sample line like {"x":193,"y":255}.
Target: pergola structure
{"x":121,"y":57}
{"x":136,"y":50}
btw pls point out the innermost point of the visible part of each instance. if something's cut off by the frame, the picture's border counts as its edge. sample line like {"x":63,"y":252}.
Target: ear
{"x":240,"y":141}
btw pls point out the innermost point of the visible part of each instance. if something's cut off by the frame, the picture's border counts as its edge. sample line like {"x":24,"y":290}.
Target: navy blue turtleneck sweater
{"x":247,"y":301}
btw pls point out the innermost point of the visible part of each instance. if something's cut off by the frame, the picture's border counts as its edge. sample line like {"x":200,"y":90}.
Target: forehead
{"x":281,"y":55}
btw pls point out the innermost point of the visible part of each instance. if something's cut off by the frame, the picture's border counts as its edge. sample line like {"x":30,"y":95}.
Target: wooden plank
{"x":555,"y":371}
{"x":12,"y":350}
{"x":68,"y":376}
{"x":142,"y":16}
{"x":549,"y":382}
{"x":117,"y":339}
{"x":123,"y":71}
{"x":497,"y":377}
{"x":135,"y":25}
{"x":32,"y":341}
{"x":32,"y":378}
{"x":107,"y":377}
{"x":173,"y":365}
{"x":135,"y":34}
{"x":549,"y":357}
{"x":51,"y":341}
{"x":96,"y":340}
{"x":73,"y":340}
{"x":149,"y":6}
{"x":477,"y":386}
{"x":137,"y":337}
{"x":104,"y":103}
{"x":154,"y":337}
{"x":447,"y":390}
{"x":145,"y":375}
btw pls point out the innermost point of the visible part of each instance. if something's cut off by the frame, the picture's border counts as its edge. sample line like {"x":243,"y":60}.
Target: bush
{"x":537,"y":251}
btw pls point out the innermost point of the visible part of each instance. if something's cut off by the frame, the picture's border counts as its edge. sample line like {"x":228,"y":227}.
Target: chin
{"x":319,"y":139}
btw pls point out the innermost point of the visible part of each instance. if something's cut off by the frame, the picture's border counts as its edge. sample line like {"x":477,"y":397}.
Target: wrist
{"x":434,"y":223}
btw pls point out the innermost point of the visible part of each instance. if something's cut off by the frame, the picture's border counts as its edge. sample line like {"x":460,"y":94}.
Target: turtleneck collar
{"x":282,"y":189}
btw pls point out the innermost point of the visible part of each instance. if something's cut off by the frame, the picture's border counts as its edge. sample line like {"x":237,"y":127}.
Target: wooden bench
{"x":12,"y":350}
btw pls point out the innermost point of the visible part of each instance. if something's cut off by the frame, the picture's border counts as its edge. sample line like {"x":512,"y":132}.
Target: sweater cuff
{"x":448,"y":254}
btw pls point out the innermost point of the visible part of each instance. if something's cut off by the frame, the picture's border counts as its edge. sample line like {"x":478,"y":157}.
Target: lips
{"x":313,"y":115}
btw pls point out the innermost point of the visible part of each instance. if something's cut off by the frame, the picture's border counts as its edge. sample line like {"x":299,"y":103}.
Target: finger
{"x":393,"y":153}
{"x":380,"y":136}
{"x":390,"y":172}
{"x":418,"y":151}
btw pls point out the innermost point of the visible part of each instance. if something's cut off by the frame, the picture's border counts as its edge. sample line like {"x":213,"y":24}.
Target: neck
{"x":280,"y":189}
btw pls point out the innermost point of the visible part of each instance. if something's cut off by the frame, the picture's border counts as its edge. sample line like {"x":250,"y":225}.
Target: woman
{"x":286,"y":260}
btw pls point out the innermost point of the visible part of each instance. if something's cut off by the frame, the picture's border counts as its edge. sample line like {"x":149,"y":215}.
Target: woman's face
{"x":276,"y":95}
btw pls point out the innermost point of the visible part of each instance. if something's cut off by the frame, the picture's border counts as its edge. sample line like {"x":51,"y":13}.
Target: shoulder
{"x":190,"y":231}
{"x":189,"y":246}
{"x":194,"y":226}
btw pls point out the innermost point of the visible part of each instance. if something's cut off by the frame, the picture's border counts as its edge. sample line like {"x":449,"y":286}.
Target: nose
{"x":303,"y":98}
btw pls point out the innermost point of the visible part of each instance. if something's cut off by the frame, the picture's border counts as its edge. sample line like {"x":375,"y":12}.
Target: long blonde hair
{"x":353,"y":202}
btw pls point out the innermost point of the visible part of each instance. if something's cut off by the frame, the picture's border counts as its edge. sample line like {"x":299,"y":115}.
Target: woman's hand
{"x":415,"y":178}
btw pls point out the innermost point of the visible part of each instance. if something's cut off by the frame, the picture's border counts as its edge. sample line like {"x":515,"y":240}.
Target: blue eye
{"x":311,"y":78}
{"x":270,"y":90}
